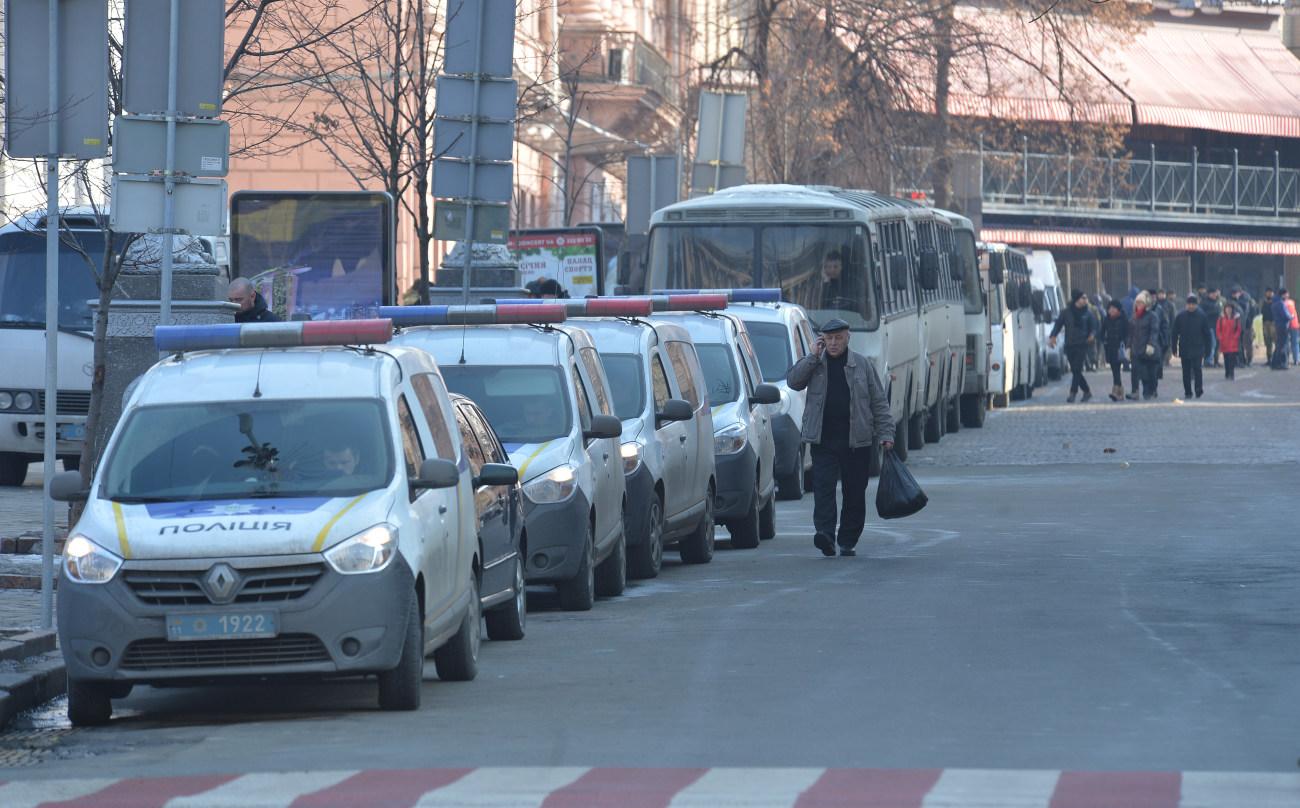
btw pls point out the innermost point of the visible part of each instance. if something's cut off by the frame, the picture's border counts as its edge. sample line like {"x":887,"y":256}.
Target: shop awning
{"x":1166,"y":242}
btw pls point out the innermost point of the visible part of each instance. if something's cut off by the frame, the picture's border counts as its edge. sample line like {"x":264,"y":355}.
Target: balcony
{"x":619,"y":75}
{"x":1027,"y":183}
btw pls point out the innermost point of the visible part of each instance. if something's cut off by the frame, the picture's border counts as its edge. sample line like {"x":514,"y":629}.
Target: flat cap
{"x":834,"y":324}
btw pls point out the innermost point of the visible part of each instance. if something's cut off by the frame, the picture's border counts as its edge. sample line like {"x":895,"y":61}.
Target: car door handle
{"x":605,"y":455}
{"x":442,"y":509}
{"x":681,"y":438}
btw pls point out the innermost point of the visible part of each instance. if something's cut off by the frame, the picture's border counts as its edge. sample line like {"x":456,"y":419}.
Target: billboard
{"x":573,"y":256}
{"x":315,"y":255}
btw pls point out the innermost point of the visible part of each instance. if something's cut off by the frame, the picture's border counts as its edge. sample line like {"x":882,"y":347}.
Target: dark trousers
{"x":832,"y":463}
{"x":1230,"y":366}
{"x":1112,"y":359}
{"x":1279,"y":354}
{"x":1145,"y":371}
{"x":1192,"y":381}
{"x":1076,"y":354}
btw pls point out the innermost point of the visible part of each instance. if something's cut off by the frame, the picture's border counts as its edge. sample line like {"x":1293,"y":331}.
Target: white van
{"x":273,"y":503}
{"x":1015,"y":359}
{"x":1047,"y":284}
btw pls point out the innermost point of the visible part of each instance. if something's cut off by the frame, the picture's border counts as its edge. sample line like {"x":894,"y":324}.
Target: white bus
{"x":974,"y":400}
{"x":889,"y":268}
{"x":22,"y":339}
{"x":1013,"y":336}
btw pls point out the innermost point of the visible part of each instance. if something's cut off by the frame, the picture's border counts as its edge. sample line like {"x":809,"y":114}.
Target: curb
{"x":31,"y":672}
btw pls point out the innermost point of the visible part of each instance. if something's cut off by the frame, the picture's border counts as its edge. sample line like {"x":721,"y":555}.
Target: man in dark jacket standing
{"x":846,"y":409}
{"x":1281,"y":322}
{"x":1080,"y":329}
{"x":1167,"y":313}
{"x":252,"y":306}
{"x":1191,"y":335}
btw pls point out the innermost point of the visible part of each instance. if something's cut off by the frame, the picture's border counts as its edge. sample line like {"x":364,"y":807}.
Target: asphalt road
{"x":1114,"y":613}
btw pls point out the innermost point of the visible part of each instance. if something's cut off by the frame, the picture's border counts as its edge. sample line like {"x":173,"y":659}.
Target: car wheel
{"x":611,"y":574}
{"x":13,"y":468}
{"x":697,"y":548}
{"x":578,"y":594}
{"x":744,"y":531}
{"x":767,"y":520}
{"x":90,"y":703}
{"x":644,"y":560}
{"x":399,"y":689}
{"x":71,"y":462}
{"x":791,"y":486}
{"x":507,"y":622}
{"x":457,"y":661}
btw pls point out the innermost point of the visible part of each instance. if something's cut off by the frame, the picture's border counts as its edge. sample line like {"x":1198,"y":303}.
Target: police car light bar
{"x":733,"y":295}
{"x":271,"y":335}
{"x":483,"y":314}
{"x":592,"y":306}
{"x":690,"y":302}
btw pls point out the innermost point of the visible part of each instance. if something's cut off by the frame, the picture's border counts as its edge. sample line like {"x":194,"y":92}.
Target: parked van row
{"x":342,"y":498}
{"x":1024,"y":300}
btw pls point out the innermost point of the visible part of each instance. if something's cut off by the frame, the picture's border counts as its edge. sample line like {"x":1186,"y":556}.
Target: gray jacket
{"x":868,"y":404}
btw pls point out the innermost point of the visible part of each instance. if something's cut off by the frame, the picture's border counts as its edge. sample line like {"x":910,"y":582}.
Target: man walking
{"x":1168,"y":310}
{"x":1080,"y":331}
{"x":1245,"y":306}
{"x":846,"y":408}
{"x":1266,"y":324}
{"x":1191,"y":339}
{"x":1281,"y":322}
{"x":1210,"y":305}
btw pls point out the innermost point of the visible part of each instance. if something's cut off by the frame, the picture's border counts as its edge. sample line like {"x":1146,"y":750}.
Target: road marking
{"x":988,"y":788}
{"x":31,"y":793}
{"x":265,"y":790}
{"x":525,"y":787}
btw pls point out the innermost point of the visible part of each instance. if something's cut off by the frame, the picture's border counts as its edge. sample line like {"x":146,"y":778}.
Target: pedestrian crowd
{"x":1143,"y":331}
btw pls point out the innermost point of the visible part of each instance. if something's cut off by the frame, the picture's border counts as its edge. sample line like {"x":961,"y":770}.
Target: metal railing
{"x":616,"y":57}
{"x":1114,"y":277}
{"x":1125,"y":183}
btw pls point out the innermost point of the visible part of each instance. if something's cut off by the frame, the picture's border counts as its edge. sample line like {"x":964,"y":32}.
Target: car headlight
{"x":6,"y":400}
{"x":556,"y":485}
{"x":631,"y":453}
{"x":24,"y":400}
{"x":368,"y":551}
{"x":730,"y":440}
{"x":87,"y":563}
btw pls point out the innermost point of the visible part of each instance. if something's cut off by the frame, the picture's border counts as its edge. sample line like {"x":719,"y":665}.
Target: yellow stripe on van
{"x":718,"y":409}
{"x":320,"y":539}
{"x":523,"y":470}
{"x":122,"y":543}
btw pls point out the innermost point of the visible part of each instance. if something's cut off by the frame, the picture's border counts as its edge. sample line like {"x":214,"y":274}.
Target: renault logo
{"x":220,"y":582}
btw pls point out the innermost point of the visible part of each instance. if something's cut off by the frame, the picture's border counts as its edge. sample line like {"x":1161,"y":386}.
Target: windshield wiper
{"x":142,"y":500}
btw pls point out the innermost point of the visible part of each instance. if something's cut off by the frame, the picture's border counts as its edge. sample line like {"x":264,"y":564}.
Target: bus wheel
{"x":974,"y":406}
{"x":916,"y":431}
{"x":953,"y":413}
{"x":934,"y":423}
{"x":900,"y":441}
{"x":13,"y":468}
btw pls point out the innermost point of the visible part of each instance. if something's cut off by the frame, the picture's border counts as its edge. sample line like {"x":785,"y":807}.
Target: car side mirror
{"x":496,"y":474}
{"x":604,"y":426}
{"x":997,"y":266}
{"x":956,"y":266}
{"x":898,"y":271}
{"x":766,"y":394}
{"x":66,"y":486}
{"x":437,"y":472}
{"x":929,"y":269}
{"x":675,"y":409}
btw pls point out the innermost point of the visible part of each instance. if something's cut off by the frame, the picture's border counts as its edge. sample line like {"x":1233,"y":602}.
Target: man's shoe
{"x":1071,"y":398}
{"x":825,"y":543}
{"x":1200,"y":393}
{"x":1132,"y":396}
{"x":1187,"y":394}
{"x":848,"y":551}
{"x":1087,"y":394}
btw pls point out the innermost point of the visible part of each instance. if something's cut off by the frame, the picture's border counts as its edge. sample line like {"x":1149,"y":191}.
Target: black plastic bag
{"x":897,"y":494}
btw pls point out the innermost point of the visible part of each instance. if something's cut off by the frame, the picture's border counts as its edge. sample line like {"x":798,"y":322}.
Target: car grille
{"x":259,"y":585}
{"x":71,"y":402}
{"x":288,"y":649}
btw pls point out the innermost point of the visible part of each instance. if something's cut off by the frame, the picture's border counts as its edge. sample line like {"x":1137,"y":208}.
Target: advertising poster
{"x":570,"y":256}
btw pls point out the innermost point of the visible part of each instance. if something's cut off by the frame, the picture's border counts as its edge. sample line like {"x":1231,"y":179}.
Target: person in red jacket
{"x":1228,"y":330}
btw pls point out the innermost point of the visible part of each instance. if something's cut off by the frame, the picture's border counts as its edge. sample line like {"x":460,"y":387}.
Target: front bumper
{"x":556,"y":532}
{"x":789,"y":439}
{"x":640,"y":490}
{"x":116,"y":631}
{"x":736,"y":475}
{"x":24,"y":433}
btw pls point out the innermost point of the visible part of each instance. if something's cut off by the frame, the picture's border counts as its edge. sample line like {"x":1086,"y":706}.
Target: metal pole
{"x":1236,"y":185}
{"x":1153,"y":185}
{"x":473,"y":158}
{"x":1024,"y":186}
{"x":1069,"y":175}
{"x":51,"y":322}
{"x":1277,"y":185}
{"x":980,"y":193}
{"x":169,"y":173}
{"x":1196,"y":155}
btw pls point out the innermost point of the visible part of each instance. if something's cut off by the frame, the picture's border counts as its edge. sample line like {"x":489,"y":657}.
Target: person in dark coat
{"x":1167,"y":313}
{"x":252,"y":306}
{"x":1144,"y":344}
{"x":1246,"y":307}
{"x":1114,"y":334}
{"x":1213,"y":307}
{"x":1127,"y":301}
{"x":1191,"y":335}
{"x":1080,"y":329}
{"x":1281,"y":322}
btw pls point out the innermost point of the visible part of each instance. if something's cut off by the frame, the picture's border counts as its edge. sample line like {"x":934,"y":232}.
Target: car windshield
{"x":720,"y":376}
{"x":772,"y":344}
{"x":523,"y":403}
{"x":626,"y":382}
{"x":238,"y":449}
{"x":22,"y":279}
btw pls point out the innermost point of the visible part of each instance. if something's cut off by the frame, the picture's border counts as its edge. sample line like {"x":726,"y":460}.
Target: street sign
{"x":722,"y":128}
{"x":493,"y":182}
{"x":137,"y":205}
{"x":491,"y":222}
{"x":140,"y":146}
{"x":453,"y":138}
{"x":497,"y":98}
{"x":82,"y":110}
{"x":653,"y":182}
{"x":201,"y":67}
{"x":705,"y":179}
{"x":466,"y":51}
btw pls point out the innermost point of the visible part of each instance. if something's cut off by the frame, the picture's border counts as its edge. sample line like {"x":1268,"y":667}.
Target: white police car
{"x":543,"y":389}
{"x":266,"y":508}
{"x":742,"y":431}
{"x":781,"y":334}
{"x":659,"y":391}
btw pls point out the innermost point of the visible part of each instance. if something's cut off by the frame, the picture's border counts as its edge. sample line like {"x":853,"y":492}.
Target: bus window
{"x":702,"y":257}
{"x":824,"y":268}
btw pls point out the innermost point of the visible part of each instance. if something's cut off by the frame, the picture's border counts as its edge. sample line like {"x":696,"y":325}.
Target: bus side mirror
{"x":898,"y":271}
{"x":929,"y":269}
{"x":996,"y":266}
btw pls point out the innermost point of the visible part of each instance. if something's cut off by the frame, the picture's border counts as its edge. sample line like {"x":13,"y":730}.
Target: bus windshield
{"x":22,"y":279}
{"x":823,"y":267}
